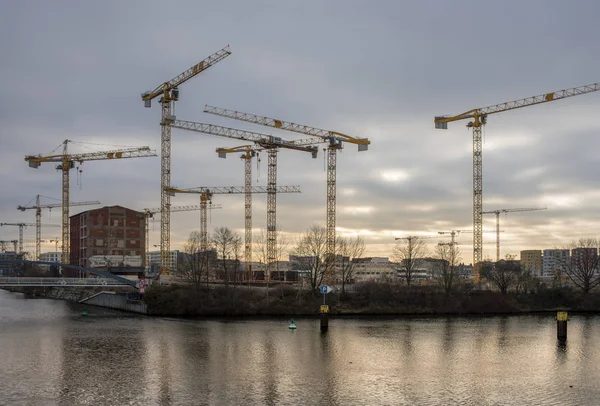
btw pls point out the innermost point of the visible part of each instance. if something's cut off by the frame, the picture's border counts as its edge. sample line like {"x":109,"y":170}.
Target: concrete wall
{"x":114,"y":300}
{"x":97,"y":297}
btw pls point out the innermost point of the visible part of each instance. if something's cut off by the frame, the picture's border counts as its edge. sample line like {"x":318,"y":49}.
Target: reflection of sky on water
{"x":52,"y":355}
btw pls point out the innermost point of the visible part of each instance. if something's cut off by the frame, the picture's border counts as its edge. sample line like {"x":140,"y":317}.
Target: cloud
{"x":76,"y":70}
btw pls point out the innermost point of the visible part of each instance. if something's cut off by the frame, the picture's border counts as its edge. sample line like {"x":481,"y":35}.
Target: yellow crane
{"x":21,"y":227}
{"x":479,"y":119}
{"x":272,"y":145}
{"x":206,"y":194}
{"x":335,"y":142}
{"x":149,"y":213}
{"x":66,"y":162}
{"x":38,"y":218}
{"x":169,"y":94}
{"x":248,"y":152}
{"x":497,"y":213}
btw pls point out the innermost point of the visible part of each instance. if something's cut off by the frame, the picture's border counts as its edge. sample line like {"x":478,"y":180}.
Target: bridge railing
{"x":47,"y":281}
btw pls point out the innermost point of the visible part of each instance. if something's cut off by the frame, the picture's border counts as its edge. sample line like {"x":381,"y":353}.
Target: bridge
{"x":60,"y":282}
{"x":100,"y":278}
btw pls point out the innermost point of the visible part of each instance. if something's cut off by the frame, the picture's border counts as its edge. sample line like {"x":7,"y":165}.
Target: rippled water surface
{"x":51,"y":355}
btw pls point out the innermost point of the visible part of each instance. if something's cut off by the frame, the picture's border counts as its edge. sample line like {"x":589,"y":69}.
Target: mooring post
{"x":561,"y":325}
{"x":324,"y":318}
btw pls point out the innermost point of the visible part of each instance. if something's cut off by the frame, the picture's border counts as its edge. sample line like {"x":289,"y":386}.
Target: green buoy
{"x":84,"y":313}
{"x":292,"y":326}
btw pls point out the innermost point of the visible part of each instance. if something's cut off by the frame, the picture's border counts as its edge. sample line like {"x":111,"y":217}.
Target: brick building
{"x":110,"y":230}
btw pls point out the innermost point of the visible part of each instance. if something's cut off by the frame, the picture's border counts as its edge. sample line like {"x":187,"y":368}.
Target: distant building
{"x":110,"y":230}
{"x":464,"y":271}
{"x":8,"y":269}
{"x":50,"y":257}
{"x":373,"y":268}
{"x":531,"y":260}
{"x":552,"y":260}
{"x":431,"y":265}
{"x":585,"y":258}
{"x":153,"y":261}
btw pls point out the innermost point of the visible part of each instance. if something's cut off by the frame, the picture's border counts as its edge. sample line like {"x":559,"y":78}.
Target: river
{"x":52,"y":355}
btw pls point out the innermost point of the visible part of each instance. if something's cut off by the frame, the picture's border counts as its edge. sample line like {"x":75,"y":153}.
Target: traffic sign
{"x":326,"y":289}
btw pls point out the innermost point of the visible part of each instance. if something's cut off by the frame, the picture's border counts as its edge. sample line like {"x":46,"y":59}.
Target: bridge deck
{"x":64,"y":282}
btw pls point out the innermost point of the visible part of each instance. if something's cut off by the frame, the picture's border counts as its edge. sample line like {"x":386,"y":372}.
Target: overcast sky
{"x":376,"y":69}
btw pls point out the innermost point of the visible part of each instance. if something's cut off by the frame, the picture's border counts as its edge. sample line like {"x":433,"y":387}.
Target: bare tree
{"x":582,"y":266}
{"x":192,"y":266}
{"x":227,"y":244}
{"x":259,"y":251}
{"x":310,"y":255}
{"x":409,"y":253}
{"x":281,"y":248}
{"x":349,"y":249}
{"x":447,"y":273}
{"x":525,"y":282}
{"x":503,"y":274}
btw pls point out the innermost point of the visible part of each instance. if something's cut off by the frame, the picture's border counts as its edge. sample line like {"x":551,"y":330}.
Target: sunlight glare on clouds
{"x":509,"y":142}
{"x":563,"y":200}
{"x":355,"y":210}
{"x":394,"y":175}
{"x":347,"y":191}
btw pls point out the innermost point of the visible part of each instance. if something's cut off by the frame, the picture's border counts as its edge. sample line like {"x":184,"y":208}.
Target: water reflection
{"x":52,"y":355}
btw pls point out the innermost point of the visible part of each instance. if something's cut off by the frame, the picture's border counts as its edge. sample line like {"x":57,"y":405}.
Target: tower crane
{"x":479,"y":119}
{"x":66,"y":162}
{"x":272,"y":145}
{"x":149,"y":213}
{"x":248,"y":152}
{"x":21,"y":227}
{"x":38,"y":218}
{"x":497,"y":213}
{"x":453,"y":234}
{"x":334,"y":140}
{"x":169,"y":94}
{"x":206,"y":194}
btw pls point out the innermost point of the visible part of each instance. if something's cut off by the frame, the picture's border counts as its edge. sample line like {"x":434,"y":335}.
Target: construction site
{"x":117,"y":238}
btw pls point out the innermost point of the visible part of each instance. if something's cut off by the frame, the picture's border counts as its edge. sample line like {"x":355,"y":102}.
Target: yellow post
{"x":561,"y":325}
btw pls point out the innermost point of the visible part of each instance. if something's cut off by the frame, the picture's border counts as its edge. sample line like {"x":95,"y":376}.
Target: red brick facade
{"x":111,"y":230}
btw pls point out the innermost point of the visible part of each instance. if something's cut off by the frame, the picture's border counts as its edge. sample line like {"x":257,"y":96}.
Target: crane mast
{"x":333,"y":138}
{"x":497,"y":213}
{"x":206,"y":197}
{"x":38,"y":218}
{"x":21,"y":227}
{"x":479,"y":119}
{"x":66,"y":162}
{"x":248,"y":152}
{"x":272,"y":144}
{"x":169,"y":93}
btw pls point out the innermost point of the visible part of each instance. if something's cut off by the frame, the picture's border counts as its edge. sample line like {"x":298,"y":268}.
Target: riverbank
{"x":369,"y":299}
{"x":126,"y":300}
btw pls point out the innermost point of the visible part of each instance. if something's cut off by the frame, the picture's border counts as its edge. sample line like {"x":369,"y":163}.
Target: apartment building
{"x":531,"y":260}
{"x":552,"y":260}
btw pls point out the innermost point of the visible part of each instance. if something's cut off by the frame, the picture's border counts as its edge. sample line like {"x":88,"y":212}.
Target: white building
{"x":50,"y":257}
{"x":373,"y":268}
{"x":552,"y":259}
{"x":153,"y":260}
